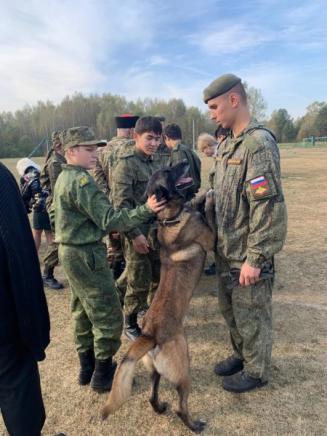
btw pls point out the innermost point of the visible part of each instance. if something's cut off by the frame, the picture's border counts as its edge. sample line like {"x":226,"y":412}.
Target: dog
{"x":184,"y":239}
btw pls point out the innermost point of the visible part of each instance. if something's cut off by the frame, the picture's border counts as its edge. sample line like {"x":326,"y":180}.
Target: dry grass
{"x":295,"y":401}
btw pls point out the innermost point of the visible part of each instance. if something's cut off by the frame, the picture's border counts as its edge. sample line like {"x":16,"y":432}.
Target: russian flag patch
{"x":259,"y":187}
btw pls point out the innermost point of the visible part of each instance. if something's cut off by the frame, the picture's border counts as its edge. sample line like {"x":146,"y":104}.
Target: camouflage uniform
{"x":162,"y":155}
{"x":83,"y":216}
{"x":251,"y":225}
{"x":107,"y":159}
{"x":49,"y":175}
{"x":181,"y":152}
{"x":131,"y":176}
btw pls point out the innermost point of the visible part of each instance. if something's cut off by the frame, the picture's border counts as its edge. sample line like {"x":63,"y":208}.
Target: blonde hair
{"x":206,"y":140}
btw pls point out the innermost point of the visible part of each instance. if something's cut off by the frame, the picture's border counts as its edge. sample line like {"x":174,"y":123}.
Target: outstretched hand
{"x":155,"y":205}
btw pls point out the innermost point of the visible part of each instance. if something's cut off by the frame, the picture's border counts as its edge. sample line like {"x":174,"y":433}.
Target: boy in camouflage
{"x":83,"y":216}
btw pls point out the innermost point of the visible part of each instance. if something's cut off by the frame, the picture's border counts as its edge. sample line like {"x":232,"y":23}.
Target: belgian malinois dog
{"x":184,"y":238}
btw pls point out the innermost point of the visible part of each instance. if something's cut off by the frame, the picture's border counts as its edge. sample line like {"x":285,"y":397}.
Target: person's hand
{"x":249,"y":275}
{"x":154,"y":205}
{"x":140,"y":244}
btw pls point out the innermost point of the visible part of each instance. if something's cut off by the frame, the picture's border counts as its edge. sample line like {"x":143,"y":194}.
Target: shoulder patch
{"x":84,"y":180}
{"x":260,"y":187}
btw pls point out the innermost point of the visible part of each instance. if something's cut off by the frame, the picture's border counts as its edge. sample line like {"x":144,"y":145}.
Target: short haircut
{"x":172,"y":131}
{"x":148,"y":124}
{"x":240,"y":90}
{"x":205,"y":140}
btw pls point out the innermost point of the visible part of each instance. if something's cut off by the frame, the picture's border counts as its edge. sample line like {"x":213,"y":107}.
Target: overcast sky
{"x":165,"y":49}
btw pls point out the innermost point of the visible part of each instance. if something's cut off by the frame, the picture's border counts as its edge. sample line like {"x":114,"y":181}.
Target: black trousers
{"x":21,"y":401}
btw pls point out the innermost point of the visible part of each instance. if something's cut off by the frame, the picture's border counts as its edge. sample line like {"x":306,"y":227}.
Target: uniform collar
{"x":70,"y":167}
{"x":144,"y":157}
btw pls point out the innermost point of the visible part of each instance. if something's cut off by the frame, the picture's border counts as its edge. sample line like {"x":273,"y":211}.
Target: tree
{"x":256,"y":102}
{"x":307,"y":124}
{"x":282,"y":125}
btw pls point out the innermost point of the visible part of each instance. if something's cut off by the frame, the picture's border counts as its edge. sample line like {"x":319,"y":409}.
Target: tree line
{"x":22,"y":130}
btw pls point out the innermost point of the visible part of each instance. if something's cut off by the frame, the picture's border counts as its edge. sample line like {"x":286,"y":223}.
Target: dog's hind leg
{"x":173,"y":363}
{"x":154,"y":399}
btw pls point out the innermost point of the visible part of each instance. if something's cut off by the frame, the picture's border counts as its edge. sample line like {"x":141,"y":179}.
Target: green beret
{"x":79,"y":136}
{"x":219,"y":86}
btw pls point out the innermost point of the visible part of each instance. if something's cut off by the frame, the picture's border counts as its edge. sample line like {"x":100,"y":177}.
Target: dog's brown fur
{"x":163,"y":344}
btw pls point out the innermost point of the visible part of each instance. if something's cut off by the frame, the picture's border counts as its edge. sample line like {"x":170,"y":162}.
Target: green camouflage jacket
{"x":107,"y":158}
{"x":162,"y":155}
{"x":129,"y":183}
{"x":251,"y":214}
{"x":50,"y":173}
{"x":181,"y":152}
{"x":83,"y":214}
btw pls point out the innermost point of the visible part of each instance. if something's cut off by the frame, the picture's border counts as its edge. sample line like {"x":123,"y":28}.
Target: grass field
{"x":294,"y":402}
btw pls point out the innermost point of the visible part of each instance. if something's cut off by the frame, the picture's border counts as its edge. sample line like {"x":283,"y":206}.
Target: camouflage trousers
{"x":142,"y":273}
{"x":51,"y":259}
{"x":248,"y":313}
{"x":95,"y":305}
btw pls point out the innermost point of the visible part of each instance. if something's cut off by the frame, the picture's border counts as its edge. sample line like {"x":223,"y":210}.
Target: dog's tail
{"x":122,"y":384}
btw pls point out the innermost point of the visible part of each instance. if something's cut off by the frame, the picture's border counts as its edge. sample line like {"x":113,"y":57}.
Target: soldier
{"x":125,"y":128}
{"x":51,"y":170}
{"x":102,"y":173}
{"x":141,"y":249}
{"x":83,"y":215}
{"x":162,"y":154}
{"x":251,"y":228}
{"x":173,"y":138}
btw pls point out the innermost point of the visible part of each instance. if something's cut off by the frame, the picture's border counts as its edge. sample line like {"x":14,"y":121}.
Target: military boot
{"x":103,"y":375}
{"x":242,"y":382}
{"x":48,"y":279}
{"x":132,"y":330}
{"x":87,"y":363}
{"x":229,"y":366}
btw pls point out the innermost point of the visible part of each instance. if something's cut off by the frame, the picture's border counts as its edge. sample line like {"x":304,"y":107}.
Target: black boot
{"x":229,"y":366}
{"x":48,"y":279}
{"x":242,"y":382}
{"x":103,"y":375}
{"x":87,"y":363}
{"x":132,"y":330}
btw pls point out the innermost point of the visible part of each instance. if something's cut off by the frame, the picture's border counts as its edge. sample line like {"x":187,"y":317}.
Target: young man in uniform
{"x":172,"y":135}
{"x":141,"y":249}
{"x":251,"y":228}
{"x":102,"y":173}
{"x":49,"y":175}
{"x":83,"y":215}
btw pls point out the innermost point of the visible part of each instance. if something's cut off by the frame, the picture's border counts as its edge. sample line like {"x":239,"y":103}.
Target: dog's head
{"x":170,"y":182}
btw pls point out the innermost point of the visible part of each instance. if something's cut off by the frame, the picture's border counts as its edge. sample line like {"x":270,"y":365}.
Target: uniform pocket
{"x":96,"y":258}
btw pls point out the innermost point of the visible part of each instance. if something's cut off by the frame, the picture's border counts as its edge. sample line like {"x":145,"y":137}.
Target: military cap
{"x":219,"y":86}
{"x":126,"y":121}
{"x":55,"y":138}
{"x":80,"y":136}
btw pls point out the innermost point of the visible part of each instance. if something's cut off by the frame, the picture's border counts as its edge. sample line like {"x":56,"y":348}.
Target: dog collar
{"x":168,"y":222}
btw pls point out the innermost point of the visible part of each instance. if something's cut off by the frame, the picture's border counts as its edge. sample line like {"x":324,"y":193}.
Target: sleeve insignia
{"x":259,"y":187}
{"x":84,"y":180}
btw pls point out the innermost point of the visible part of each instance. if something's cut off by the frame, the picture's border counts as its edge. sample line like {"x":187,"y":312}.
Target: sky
{"x":164,"y":49}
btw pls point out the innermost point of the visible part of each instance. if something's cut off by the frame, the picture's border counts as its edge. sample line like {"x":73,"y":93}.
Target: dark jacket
{"x":24,"y":317}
